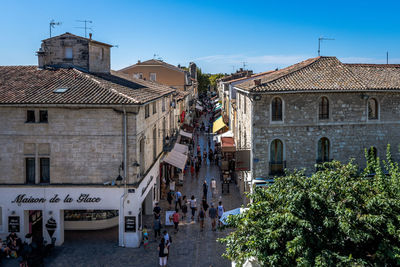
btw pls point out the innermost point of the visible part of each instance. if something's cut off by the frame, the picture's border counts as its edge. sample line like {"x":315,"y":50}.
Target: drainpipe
{"x":125,"y":195}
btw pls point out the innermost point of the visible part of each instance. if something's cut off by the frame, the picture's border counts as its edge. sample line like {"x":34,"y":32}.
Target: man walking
{"x":178,"y":197}
{"x":175,"y":220}
{"x":157,"y":227}
{"x":221,"y":211}
{"x":212,"y":213}
{"x":205,"y":189}
{"x":213,"y":187}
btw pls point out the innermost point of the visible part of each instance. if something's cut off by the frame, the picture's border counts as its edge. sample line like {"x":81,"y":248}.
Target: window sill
{"x":43,"y":122}
{"x":30,"y":122}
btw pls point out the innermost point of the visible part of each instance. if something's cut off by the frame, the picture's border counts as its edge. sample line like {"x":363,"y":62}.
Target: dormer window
{"x":68,"y":52}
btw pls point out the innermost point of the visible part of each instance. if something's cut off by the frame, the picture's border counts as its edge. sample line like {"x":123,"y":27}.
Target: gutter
{"x":125,"y":194}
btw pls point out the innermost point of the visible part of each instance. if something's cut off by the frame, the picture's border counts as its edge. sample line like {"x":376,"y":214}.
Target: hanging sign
{"x":13,"y":224}
{"x":130,"y":223}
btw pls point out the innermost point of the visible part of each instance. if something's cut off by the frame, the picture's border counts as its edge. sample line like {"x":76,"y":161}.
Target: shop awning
{"x":199,"y":107}
{"x":185,"y":134}
{"x":228,"y":144}
{"x":217,"y":137}
{"x":218,"y":124}
{"x":181,"y":148}
{"x":176,"y":159}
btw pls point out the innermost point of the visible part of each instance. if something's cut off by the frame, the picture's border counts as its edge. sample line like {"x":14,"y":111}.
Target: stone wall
{"x":348,"y":128}
{"x":99,"y":58}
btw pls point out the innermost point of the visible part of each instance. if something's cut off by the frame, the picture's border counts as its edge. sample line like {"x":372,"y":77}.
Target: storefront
{"x":48,"y":210}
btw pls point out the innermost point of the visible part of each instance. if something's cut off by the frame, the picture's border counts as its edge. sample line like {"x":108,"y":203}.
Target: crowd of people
{"x":30,"y":252}
{"x":180,"y":203}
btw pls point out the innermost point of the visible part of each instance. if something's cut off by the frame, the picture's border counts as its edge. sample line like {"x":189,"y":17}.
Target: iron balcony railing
{"x":277,"y":168}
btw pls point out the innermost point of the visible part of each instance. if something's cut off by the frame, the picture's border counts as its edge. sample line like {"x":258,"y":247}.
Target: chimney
{"x":257,"y":82}
{"x":90,"y":35}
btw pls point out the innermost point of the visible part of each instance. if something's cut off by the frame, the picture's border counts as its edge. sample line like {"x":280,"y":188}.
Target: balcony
{"x":277,"y":168}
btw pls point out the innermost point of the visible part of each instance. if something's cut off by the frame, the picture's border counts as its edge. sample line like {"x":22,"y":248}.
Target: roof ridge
{"x":313,"y":60}
{"x":355,"y":77}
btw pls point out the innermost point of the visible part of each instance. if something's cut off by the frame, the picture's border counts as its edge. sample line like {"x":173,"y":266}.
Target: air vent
{"x":61,"y":90}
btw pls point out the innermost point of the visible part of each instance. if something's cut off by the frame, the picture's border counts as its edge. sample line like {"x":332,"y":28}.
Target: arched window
{"x":323,"y":150}
{"x":276,"y":109}
{"x":323,"y":108}
{"x":372,"y":109}
{"x":276,"y":158}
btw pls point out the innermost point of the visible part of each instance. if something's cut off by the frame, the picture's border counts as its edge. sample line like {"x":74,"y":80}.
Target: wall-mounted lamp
{"x":13,"y":212}
{"x":135,"y":164}
{"x":364,"y":96}
{"x":257,"y":97}
{"x":119,"y":180}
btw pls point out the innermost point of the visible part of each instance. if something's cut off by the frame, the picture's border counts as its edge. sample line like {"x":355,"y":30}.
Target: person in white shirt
{"x":193,"y":206}
{"x":221,"y":211}
{"x":213,"y":187}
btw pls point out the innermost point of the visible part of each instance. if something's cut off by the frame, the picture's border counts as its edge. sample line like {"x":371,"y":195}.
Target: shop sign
{"x":242,"y":160}
{"x":83,"y":198}
{"x":130,"y":223}
{"x":13,"y":224}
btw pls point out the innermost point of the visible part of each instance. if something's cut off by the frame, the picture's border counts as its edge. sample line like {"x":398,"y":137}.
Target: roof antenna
{"x":86,"y":27}
{"x":244,"y":65}
{"x":52,"y":24}
{"x":320,"y":39}
{"x":387,"y":57}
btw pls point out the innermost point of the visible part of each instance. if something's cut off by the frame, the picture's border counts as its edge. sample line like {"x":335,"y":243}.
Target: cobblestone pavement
{"x":190,"y":247}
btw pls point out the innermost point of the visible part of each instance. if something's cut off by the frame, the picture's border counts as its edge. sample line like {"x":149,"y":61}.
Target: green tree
{"x":336,"y":217}
{"x":213,"y":79}
{"x":203,"y":81}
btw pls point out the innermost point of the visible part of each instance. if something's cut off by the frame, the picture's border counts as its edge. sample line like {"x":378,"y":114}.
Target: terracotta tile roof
{"x":154,"y":62}
{"x":325,"y":73}
{"x":180,"y":95}
{"x":377,"y":76}
{"x":30,"y":85}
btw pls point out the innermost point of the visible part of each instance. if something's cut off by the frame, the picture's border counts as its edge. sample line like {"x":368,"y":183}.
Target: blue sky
{"x":218,"y":35}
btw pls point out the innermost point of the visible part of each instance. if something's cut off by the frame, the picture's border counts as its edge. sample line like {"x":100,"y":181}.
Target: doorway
{"x":36,"y":223}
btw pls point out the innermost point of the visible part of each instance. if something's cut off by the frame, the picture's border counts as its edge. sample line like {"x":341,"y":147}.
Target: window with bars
{"x":323,"y":150}
{"x":323,"y":108}
{"x":276,"y":163}
{"x":372,"y":109}
{"x":276,"y":109}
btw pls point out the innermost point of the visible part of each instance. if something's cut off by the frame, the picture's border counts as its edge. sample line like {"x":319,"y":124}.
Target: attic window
{"x":60,"y":90}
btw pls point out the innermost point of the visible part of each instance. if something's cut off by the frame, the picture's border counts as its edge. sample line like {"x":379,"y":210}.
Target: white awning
{"x":199,"y":107}
{"x":176,"y":159}
{"x":226,"y":134}
{"x":181,"y":148}
{"x":185,"y":134}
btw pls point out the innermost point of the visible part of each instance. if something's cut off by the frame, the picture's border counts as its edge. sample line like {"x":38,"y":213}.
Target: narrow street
{"x":190,"y":246}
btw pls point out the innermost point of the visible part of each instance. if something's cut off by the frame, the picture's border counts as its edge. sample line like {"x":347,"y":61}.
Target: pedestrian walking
{"x":213,"y":187}
{"x":192,"y":170}
{"x":204,"y":204}
{"x":157,"y":211}
{"x":168,"y":241}
{"x":157,"y":227}
{"x":193,"y":206}
{"x":170,"y":198}
{"x":178,"y":201}
{"x":212,"y":213}
{"x":205,"y":157}
{"x":162,"y":253}
{"x":197,"y":169}
{"x":145,"y":237}
{"x":205,"y":189}
{"x":175,"y":220}
{"x":200,"y":217}
{"x":184,"y":207}
{"x":221,"y":211}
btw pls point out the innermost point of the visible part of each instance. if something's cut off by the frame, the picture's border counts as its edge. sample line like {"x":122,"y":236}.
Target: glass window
{"x":276,"y":109}
{"x":372,"y":109}
{"x":43,"y":116}
{"x":30,"y":170}
{"x":68,"y":52}
{"x":323,"y":108}
{"x":153,"y":76}
{"x":44,"y":170}
{"x":146,"y":111}
{"x":276,"y":160}
{"x":163,"y":104}
{"x":154,"y":107}
{"x":30,"y":116}
{"x":323,"y":150}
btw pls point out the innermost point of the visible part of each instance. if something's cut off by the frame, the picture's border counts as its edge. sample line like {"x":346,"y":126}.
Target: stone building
{"x":314,"y":111}
{"x":71,"y":131}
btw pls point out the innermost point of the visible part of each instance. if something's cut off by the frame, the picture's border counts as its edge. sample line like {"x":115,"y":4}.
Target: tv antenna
{"x":53,"y":24}
{"x":156,"y":56}
{"x":387,"y":57}
{"x":244,"y":65}
{"x":86,"y":26}
{"x":320,"y":39}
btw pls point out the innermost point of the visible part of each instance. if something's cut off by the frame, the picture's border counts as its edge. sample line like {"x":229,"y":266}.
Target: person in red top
{"x":175,"y":219}
{"x":192,"y":170}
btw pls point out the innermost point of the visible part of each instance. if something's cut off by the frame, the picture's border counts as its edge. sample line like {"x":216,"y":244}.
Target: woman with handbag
{"x":163,"y":253}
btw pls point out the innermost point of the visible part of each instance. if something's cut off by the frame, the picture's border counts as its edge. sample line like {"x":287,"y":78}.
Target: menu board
{"x":130,"y":223}
{"x":13,"y":224}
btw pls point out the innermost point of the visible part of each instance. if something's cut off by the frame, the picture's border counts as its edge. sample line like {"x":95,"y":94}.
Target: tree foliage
{"x":336,"y":217}
{"x":213,"y":79}
{"x":203,"y":81}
